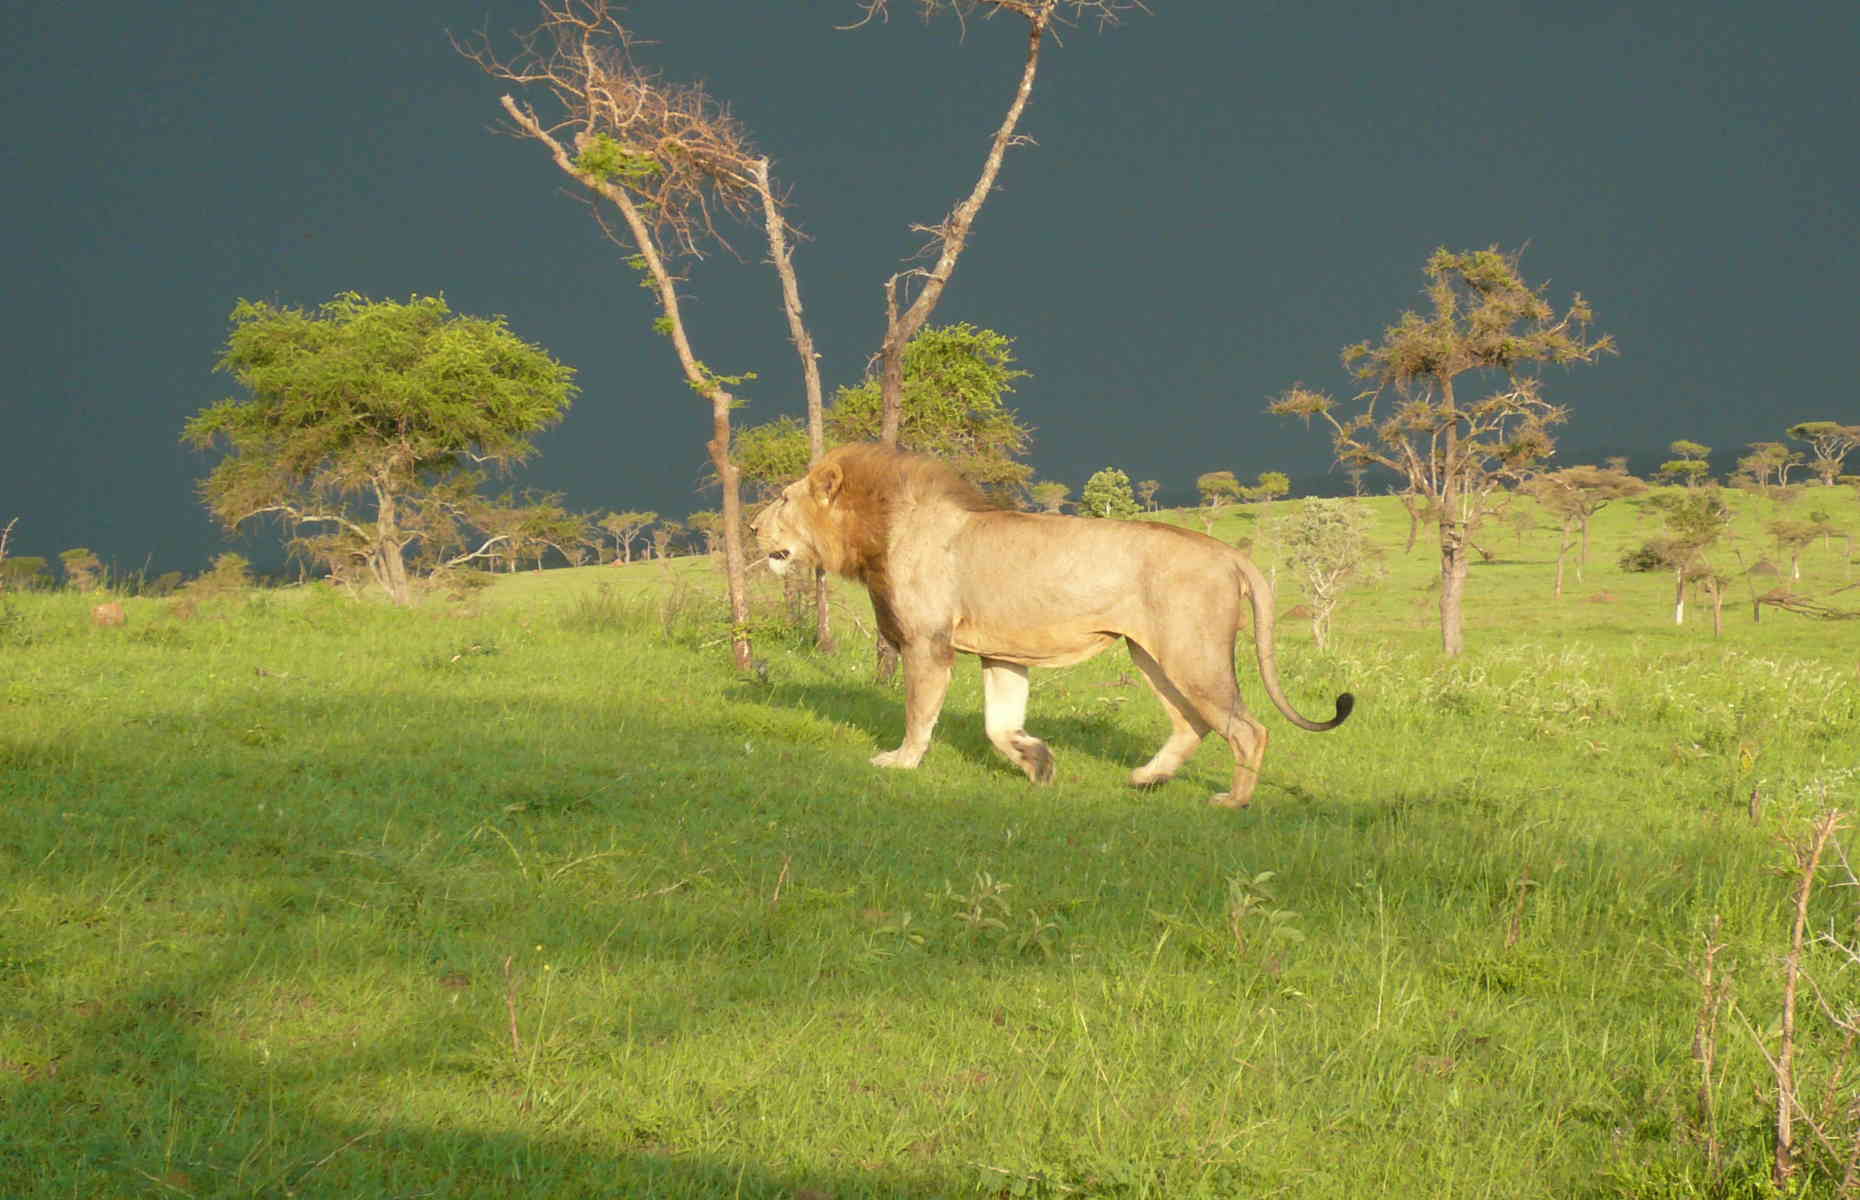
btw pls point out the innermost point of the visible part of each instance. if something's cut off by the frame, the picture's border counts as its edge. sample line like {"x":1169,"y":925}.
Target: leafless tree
{"x":781,"y":256}
{"x":1044,"y":19}
{"x":670,"y":161}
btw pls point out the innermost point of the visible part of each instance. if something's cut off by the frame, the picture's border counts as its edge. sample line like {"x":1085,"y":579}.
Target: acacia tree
{"x":1768,"y":465}
{"x":1050,"y":495}
{"x":625,"y":528}
{"x":1485,"y":323}
{"x":1146,"y":492}
{"x":1696,"y":519}
{"x":1689,"y":465}
{"x":360,"y":412}
{"x":1830,"y":442}
{"x":951,"y":235}
{"x":1217,"y":489}
{"x":667,"y":158}
{"x":1574,"y":495}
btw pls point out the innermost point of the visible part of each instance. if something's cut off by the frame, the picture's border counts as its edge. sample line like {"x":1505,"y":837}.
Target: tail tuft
{"x":1346,"y":704}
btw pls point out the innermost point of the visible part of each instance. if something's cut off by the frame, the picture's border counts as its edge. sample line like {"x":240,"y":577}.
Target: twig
{"x":510,"y":1005}
{"x":1705,"y":1042}
{"x":775,"y":900}
{"x":1808,"y":861}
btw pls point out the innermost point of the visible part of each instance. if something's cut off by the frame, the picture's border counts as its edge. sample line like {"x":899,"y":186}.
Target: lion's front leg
{"x":927,"y":665}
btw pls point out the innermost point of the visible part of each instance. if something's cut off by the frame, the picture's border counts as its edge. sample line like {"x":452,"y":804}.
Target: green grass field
{"x":530,"y":894}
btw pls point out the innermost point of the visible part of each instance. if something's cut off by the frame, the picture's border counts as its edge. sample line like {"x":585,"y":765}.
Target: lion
{"x":949,"y":571}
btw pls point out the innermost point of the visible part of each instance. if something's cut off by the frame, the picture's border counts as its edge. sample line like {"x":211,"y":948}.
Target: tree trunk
{"x":701,"y":379}
{"x":389,"y":566}
{"x":1452,"y":585}
{"x":1679,"y":596}
{"x":1452,"y":538}
{"x":782,"y":255}
{"x":735,"y":562}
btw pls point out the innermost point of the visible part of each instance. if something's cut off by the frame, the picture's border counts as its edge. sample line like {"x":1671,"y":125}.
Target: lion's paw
{"x":1036,"y":758}
{"x":896,"y":758}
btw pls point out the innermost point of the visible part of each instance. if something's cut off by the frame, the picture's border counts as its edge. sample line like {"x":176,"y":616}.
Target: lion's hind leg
{"x":1187,"y":727}
{"x":1202,"y":697}
{"x":1004,"y":697}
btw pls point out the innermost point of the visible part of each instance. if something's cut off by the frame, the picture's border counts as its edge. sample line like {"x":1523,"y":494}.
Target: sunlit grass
{"x":528,"y":893}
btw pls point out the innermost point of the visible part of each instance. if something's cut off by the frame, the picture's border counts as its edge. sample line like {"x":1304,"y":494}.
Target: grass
{"x":529,"y":894}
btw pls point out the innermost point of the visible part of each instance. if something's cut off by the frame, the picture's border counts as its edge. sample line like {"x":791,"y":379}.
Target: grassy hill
{"x":526,"y":893}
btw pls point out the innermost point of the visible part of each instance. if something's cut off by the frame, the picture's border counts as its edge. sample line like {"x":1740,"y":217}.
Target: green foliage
{"x":955,"y":380}
{"x":1271,"y":485}
{"x":1217,"y":488}
{"x":359,"y":410}
{"x":1049,"y":495}
{"x":83,"y":569}
{"x":772,"y":455}
{"x":1830,"y":442}
{"x":605,"y":159}
{"x":1107,"y":494}
{"x":1326,"y":546}
{"x":24,"y":572}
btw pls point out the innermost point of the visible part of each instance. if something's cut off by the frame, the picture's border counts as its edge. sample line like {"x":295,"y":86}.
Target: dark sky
{"x":1222,"y":196}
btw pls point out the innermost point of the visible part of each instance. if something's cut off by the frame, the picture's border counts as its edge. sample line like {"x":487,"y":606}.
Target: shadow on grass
{"x":144,"y":1090}
{"x":878,"y":711}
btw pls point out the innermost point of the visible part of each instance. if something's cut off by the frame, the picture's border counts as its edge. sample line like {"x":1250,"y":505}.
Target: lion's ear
{"x":826,"y":482}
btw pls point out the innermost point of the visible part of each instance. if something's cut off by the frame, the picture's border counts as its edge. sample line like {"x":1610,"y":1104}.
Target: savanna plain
{"x":527,"y":892}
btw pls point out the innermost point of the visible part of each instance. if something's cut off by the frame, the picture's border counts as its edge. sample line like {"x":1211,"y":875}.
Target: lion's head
{"x":838,"y":514}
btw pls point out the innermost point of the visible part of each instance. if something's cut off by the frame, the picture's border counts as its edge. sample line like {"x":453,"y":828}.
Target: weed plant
{"x":528,"y":894}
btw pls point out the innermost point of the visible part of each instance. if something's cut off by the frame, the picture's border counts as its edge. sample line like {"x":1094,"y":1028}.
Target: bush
{"x":1649,"y":556}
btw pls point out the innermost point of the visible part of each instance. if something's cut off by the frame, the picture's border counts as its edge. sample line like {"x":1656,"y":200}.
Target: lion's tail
{"x":1261,"y":594}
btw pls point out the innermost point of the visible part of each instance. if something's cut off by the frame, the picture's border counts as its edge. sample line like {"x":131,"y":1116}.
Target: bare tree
{"x":1485,"y":321}
{"x":781,"y":257}
{"x":6,"y":535}
{"x":669,"y":159}
{"x":948,"y":238}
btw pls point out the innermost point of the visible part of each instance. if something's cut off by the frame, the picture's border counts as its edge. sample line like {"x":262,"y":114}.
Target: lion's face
{"x":784,"y":530}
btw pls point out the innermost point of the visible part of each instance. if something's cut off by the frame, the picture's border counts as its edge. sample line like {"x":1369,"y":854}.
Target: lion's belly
{"x":1050,"y":647}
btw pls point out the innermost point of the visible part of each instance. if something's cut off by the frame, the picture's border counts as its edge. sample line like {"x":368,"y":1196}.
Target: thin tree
{"x":1217,"y":489}
{"x":781,"y":257}
{"x":1146,"y":492}
{"x":1326,"y":544}
{"x":1574,"y":495}
{"x":1696,"y":520}
{"x":668,"y":159}
{"x":1487,"y":323}
{"x":949,"y":237}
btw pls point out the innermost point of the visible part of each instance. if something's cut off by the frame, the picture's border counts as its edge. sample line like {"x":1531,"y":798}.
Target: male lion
{"x":949,"y":571}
